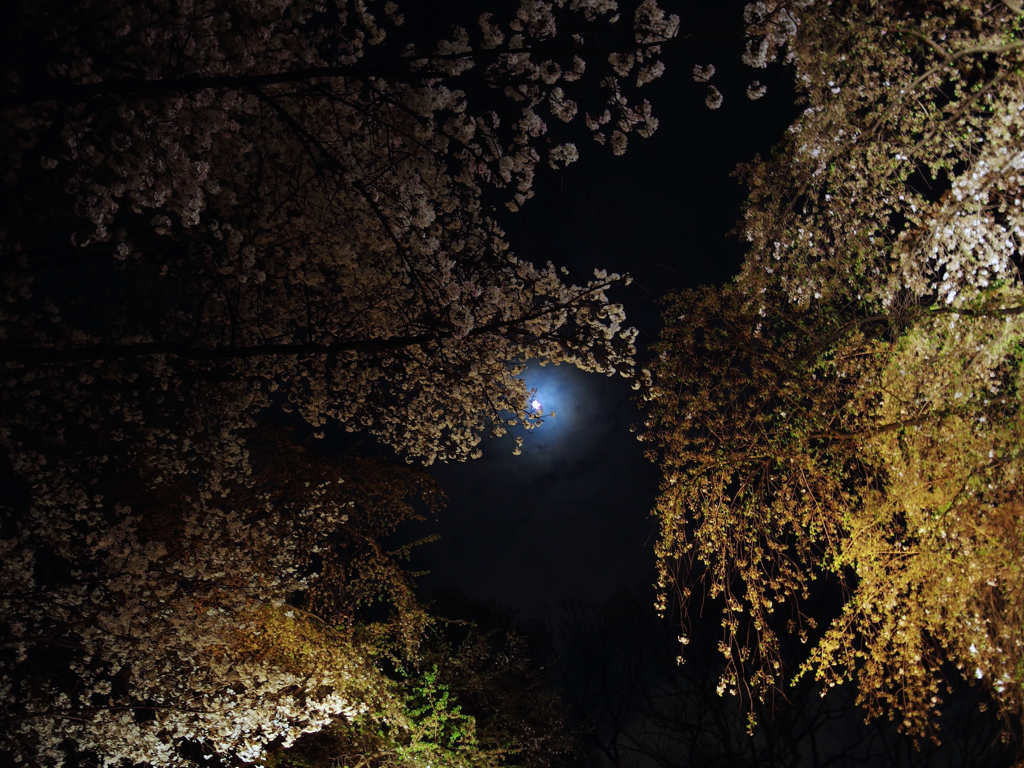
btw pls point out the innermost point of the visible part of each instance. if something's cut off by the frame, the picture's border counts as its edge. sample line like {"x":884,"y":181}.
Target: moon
{"x":554,"y":389}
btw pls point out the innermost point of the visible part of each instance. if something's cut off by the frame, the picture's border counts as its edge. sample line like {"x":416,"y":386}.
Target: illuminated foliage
{"x":422,"y":725}
{"x":140,"y":632}
{"x":473,"y":695}
{"x":848,"y":411}
{"x":220,"y":207}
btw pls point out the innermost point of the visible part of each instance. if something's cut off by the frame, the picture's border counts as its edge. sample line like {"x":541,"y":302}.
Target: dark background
{"x":569,"y":518}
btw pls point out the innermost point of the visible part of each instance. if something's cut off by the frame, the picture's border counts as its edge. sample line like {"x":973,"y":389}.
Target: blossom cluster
{"x":908,"y":168}
{"x":170,"y":629}
{"x":338,"y":211}
{"x":226,"y":207}
{"x":850,"y":406}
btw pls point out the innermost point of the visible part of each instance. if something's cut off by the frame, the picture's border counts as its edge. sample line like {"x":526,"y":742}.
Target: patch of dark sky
{"x":569,"y":518}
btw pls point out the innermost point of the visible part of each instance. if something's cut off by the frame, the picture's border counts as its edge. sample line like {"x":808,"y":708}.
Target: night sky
{"x":565,"y":527}
{"x":570,"y":517}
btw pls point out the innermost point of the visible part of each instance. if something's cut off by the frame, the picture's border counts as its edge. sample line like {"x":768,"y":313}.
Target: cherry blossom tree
{"x":847,"y":413}
{"x":282,"y":203}
{"x":169,"y":626}
{"x":218,"y":207}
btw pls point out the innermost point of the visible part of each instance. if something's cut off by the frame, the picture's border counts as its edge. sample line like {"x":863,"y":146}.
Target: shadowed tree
{"x":216,"y":207}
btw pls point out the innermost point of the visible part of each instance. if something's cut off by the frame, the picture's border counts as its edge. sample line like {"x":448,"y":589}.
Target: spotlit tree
{"x":848,"y":410}
{"x":171,"y":626}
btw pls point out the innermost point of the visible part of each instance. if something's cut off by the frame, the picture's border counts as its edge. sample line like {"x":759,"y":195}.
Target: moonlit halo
{"x":552,"y":389}
{"x":549,"y":389}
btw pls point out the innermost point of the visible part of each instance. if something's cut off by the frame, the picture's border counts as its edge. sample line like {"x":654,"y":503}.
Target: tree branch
{"x":185,"y":351}
{"x":65,"y":91}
